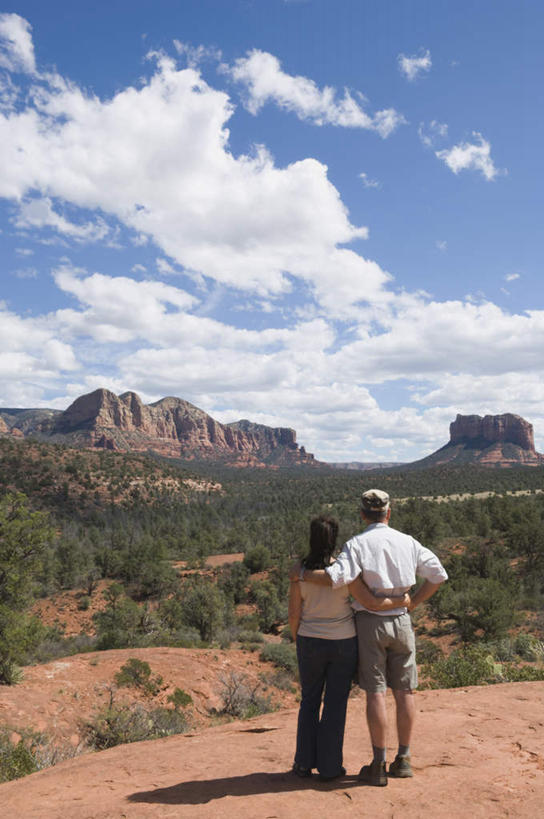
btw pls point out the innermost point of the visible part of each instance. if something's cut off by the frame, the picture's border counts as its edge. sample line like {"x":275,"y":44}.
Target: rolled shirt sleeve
{"x":429,"y":566}
{"x":346,"y":568}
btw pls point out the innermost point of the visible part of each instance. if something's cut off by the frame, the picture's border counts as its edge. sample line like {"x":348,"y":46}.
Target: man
{"x":388,"y":562}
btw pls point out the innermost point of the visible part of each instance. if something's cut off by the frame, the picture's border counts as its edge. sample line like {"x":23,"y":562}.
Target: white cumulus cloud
{"x":39,"y":213}
{"x":168,"y":174}
{"x":470,"y":156}
{"x":16,"y":47}
{"x":265,"y":81}
{"x":414,"y":66}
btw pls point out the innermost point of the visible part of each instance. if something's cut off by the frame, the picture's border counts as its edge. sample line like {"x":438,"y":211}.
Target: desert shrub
{"x":10,"y":673}
{"x":84,"y":602}
{"x":16,"y":759}
{"x":123,"y":623}
{"x":167,"y":721}
{"x":269,"y":608}
{"x":521,"y":673}
{"x":502,"y":650}
{"x":257,"y":559}
{"x":233,"y":582}
{"x":427,"y":651}
{"x":184,"y":638}
{"x":226,"y":636}
{"x":118,"y":724}
{"x":20,"y":633}
{"x":250,"y":637}
{"x":249,"y":622}
{"x":241,"y":698}
{"x":180,"y":698}
{"x":528,"y":647}
{"x":466,"y":666}
{"x":203,"y":606}
{"x":479,"y":606}
{"x":25,"y":537}
{"x":136,"y":673}
{"x":282,"y":655}
{"x":279,"y":679}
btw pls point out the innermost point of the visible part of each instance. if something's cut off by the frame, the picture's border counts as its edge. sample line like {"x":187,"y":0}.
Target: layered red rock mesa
{"x":507,"y":428}
{"x":176,"y":428}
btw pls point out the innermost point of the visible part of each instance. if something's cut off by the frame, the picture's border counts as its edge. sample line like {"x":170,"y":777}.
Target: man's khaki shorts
{"x":387,"y":652}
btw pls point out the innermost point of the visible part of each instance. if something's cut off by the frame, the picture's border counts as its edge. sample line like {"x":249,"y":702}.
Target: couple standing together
{"x":377,"y":568}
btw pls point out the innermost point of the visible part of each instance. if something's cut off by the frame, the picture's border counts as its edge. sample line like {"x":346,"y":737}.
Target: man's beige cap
{"x":375,"y":500}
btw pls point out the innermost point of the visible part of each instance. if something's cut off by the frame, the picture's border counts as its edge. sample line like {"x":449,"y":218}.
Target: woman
{"x":322,"y":624}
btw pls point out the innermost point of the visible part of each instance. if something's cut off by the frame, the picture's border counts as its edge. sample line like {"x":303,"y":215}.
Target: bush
{"x":503,"y":650}
{"x":250,"y":637}
{"x":279,"y":679}
{"x":233,"y":582}
{"x":257,"y":559}
{"x":427,"y":651}
{"x":282,"y":655}
{"x":466,"y":666}
{"x":122,"y":623}
{"x":16,"y":759}
{"x":19,"y":636}
{"x":55,"y":645}
{"x":167,"y":721}
{"x":180,"y":698}
{"x":225,"y":636}
{"x":10,"y":674}
{"x":286,"y":635}
{"x":523,"y":673}
{"x":269,"y":609}
{"x":204,"y":607}
{"x":241,"y":699}
{"x":480,"y":607}
{"x":117,"y":725}
{"x":136,"y":673}
{"x":528,"y":647}
{"x":120,"y":724}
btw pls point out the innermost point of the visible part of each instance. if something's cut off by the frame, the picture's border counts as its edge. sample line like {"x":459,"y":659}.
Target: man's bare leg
{"x":406,"y":712}
{"x":376,"y":717}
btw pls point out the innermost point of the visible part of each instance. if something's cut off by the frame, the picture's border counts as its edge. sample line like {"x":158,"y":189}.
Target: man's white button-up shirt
{"x":388,"y":561}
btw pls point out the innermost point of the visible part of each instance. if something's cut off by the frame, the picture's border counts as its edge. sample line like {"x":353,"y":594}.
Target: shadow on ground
{"x":199,"y":792}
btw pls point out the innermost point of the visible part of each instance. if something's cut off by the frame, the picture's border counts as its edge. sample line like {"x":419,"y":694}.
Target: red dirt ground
{"x":477,"y":752}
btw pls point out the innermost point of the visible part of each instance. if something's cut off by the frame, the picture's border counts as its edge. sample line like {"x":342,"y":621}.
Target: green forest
{"x":69,"y":518}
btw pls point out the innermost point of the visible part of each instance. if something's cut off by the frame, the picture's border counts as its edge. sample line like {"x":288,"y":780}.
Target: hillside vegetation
{"x":129,"y":534}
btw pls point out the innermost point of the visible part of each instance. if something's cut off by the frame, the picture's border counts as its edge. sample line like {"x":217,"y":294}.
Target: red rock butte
{"x":493,"y":440}
{"x":171,"y":427}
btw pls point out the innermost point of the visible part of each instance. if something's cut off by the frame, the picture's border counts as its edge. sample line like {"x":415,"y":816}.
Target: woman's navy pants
{"x":323,"y":665}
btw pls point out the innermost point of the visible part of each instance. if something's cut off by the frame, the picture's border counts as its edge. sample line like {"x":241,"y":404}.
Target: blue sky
{"x":323,"y":214}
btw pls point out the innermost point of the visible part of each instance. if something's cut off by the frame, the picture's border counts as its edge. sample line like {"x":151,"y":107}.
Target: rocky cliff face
{"x":493,"y":429}
{"x":175,"y":428}
{"x":494,"y":440}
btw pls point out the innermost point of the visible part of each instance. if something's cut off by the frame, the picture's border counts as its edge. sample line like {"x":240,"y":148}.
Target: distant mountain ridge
{"x":492,"y":440}
{"x":364,"y":466}
{"x":176,"y":428}
{"x":171,"y":427}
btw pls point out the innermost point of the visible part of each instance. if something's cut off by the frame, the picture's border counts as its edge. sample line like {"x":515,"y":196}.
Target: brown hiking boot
{"x":400,"y":767}
{"x":373,"y":774}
